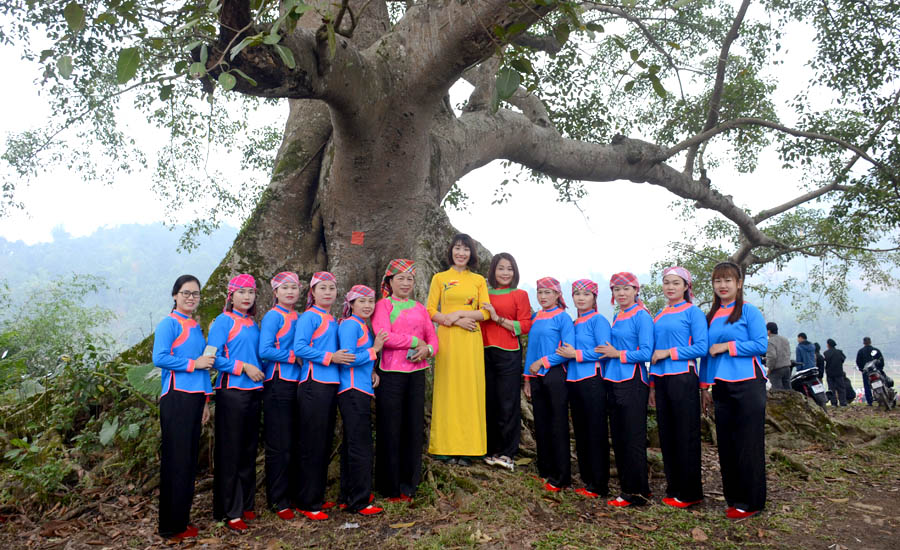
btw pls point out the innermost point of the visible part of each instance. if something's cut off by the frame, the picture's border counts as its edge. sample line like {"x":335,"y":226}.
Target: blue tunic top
{"x":177,"y":342}
{"x":236,"y":338}
{"x":550,"y":328}
{"x":276,"y":344}
{"x":632,"y":335}
{"x":682,"y":330}
{"x":747,"y":341}
{"x":315,"y":340}
{"x":591,"y":330}
{"x":355,"y":337}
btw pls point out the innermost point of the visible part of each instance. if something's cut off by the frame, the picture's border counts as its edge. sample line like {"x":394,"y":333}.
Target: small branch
{"x":715,"y":100}
{"x":814,"y":194}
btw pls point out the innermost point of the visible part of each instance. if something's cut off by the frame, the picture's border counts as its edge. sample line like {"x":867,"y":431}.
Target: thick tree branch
{"x":715,"y":99}
{"x":483,"y":78}
{"x":540,"y":42}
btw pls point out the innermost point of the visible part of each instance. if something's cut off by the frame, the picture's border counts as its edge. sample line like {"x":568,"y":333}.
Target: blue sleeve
{"x":645,"y":339}
{"x":218,"y":337}
{"x":165,"y":335}
{"x":566,"y":336}
{"x":602,"y":335}
{"x":268,"y":329}
{"x":699,"y":336}
{"x":306,"y":326}
{"x":705,"y":378}
{"x":348,"y":334}
{"x":756,"y":328}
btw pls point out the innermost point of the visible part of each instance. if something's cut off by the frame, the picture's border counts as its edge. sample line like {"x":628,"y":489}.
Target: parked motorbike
{"x":807,"y":382}
{"x":882,"y":385}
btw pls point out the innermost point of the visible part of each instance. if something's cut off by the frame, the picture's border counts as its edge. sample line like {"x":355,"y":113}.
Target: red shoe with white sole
{"x":249,"y":514}
{"x":236,"y":524}
{"x":328,"y":505}
{"x":737,"y":513}
{"x":286,"y":514}
{"x":675,"y":503}
{"x":618,"y":502}
{"x":586,"y":493}
{"x":316,"y":515}
{"x":370,"y":510}
{"x":551,"y":487}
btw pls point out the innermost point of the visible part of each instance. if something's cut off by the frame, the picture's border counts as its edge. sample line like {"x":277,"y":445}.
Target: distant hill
{"x":138,"y":263}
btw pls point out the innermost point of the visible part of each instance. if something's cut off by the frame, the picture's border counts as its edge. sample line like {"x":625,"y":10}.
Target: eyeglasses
{"x":189,"y":294}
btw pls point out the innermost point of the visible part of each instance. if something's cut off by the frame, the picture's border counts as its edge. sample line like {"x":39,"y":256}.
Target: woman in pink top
{"x":400,"y":397}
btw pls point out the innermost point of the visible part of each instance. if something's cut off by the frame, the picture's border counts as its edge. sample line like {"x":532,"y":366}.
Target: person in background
{"x":806,"y":354}
{"x":400,"y":396}
{"x":235,"y":336}
{"x":778,"y":358}
{"x":177,"y":347}
{"x":276,"y":351}
{"x":545,"y":372}
{"x":863,"y":356}
{"x":820,"y":361}
{"x":680,"y":340}
{"x":456,"y":303}
{"x":834,"y":370}
{"x":510,"y":318}
{"x":737,"y":338}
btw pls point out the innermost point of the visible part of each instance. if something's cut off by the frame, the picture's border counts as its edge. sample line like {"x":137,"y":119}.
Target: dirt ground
{"x":839,"y":498}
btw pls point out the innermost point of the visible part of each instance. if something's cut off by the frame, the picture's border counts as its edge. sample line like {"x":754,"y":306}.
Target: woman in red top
{"x":510,"y":317}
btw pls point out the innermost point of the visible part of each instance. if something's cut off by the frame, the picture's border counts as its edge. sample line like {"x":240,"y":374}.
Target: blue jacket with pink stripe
{"x":632,"y":335}
{"x":747,"y":341}
{"x":236,"y":338}
{"x":682,"y":330}
{"x":276,"y":344}
{"x":356,"y":338}
{"x":177,"y":342}
{"x":549,"y":329}
{"x":315,"y":340}
{"x":591,"y":330}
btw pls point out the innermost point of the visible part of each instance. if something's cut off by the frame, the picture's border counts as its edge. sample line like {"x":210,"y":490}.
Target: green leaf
{"x":634,"y":55}
{"x":74,"y":15}
{"x":629,"y":85}
{"x":127,"y":64}
{"x":145,"y":378}
{"x":561,"y":32}
{"x":108,"y":431}
{"x":243,"y":75}
{"x":272,"y":39}
{"x":681,"y":4}
{"x":522,"y":65}
{"x":106,"y":18}
{"x":45,"y":54}
{"x":227,"y":81}
{"x":165,"y":92}
{"x":658,"y":87}
{"x":515,"y":28}
{"x":250,"y":40}
{"x":595,"y":27}
{"x":508,"y":81}
{"x":204,"y":54}
{"x":332,"y":40}
{"x":64,"y":65}
{"x":287,"y":56}
{"x":197,"y":69}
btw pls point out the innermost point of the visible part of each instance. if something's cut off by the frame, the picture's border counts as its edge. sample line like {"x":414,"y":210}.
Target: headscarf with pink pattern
{"x":684,"y":274}
{"x":239,"y":281}
{"x":399,"y":265}
{"x":589,"y":285}
{"x":625,"y":278}
{"x":317,"y":278}
{"x":552,"y":284}
{"x":358,"y":291}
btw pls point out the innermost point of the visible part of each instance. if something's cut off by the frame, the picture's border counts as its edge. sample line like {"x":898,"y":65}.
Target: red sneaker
{"x":317,"y":515}
{"x":619,"y":502}
{"x":551,"y":487}
{"x":286,"y":514}
{"x":186,"y":534}
{"x":737,"y":513}
{"x":249,"y":514}
{"x":236,"y":524}
{"x":401,"y":498}
{"x":192,"y":529}
{"x":586,"y":493}
{"x":370,"y":510}
{"x":328,"y":504}
{"x":675,"y":503}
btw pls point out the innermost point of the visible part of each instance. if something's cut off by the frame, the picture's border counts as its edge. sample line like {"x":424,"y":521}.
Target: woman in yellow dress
{"x":456,"y":303}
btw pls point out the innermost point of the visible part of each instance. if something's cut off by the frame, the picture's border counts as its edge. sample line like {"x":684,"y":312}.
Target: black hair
{"x":802,"y":335}
{"x":772,"y":327}
{"x":492,"y":272}
{"x":867,"y":341}
{"x":250,"y":312}
{"x":817,"y":346}
{"x":831,"y":343}
{"x":179,"y":282}
{"x":465,"y":240}
{"x":721,"y":270}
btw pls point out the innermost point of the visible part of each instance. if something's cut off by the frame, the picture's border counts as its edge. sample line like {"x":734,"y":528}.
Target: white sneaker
{"x":505,"y":462}
{"x":490,"y":460}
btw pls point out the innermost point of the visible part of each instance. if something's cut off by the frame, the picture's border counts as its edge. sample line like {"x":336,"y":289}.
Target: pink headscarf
{"x":398,"y":265}
{"x":285,"y":277}
{"x":626,"y":278}
{"x":552,"y":284}
{"x":358,"y":291}
{"x":589,"y":285}
{"x":240,"y":281}
{"x":684,"y":274}
{"x":317,"y":278}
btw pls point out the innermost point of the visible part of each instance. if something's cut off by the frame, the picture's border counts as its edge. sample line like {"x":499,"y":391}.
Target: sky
{"x":618,"y":226}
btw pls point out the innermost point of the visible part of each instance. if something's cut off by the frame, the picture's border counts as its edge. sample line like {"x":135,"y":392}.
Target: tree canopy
{"x":665,"y":92}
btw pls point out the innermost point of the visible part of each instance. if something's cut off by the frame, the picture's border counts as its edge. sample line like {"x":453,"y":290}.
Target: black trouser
{"x":587,"y":400}
{"x":179,"y":418}
{"x":356,"y":449}
{"x":549,"y":398}
{"x":838,"y":392}
{"x":740,"y":429}
{"x":280,"y":431}
{"x":317,"y":404}
{"x":400,"y":432}
{"x":678,"y":418}
{"x":627,"y":405}
{"x":237,"y":439}
{"x":780,"y":378}
{"x":502,"y":387}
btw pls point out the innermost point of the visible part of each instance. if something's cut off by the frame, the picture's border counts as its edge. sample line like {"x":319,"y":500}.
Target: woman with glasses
{"x":239,"y":386}
{"x":737,"y":339}
{"x":178,"y":346}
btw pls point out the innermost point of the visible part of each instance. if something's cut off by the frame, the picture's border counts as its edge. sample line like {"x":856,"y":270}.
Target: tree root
{"x":793,"y":463}
{"x":881,"y":437}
